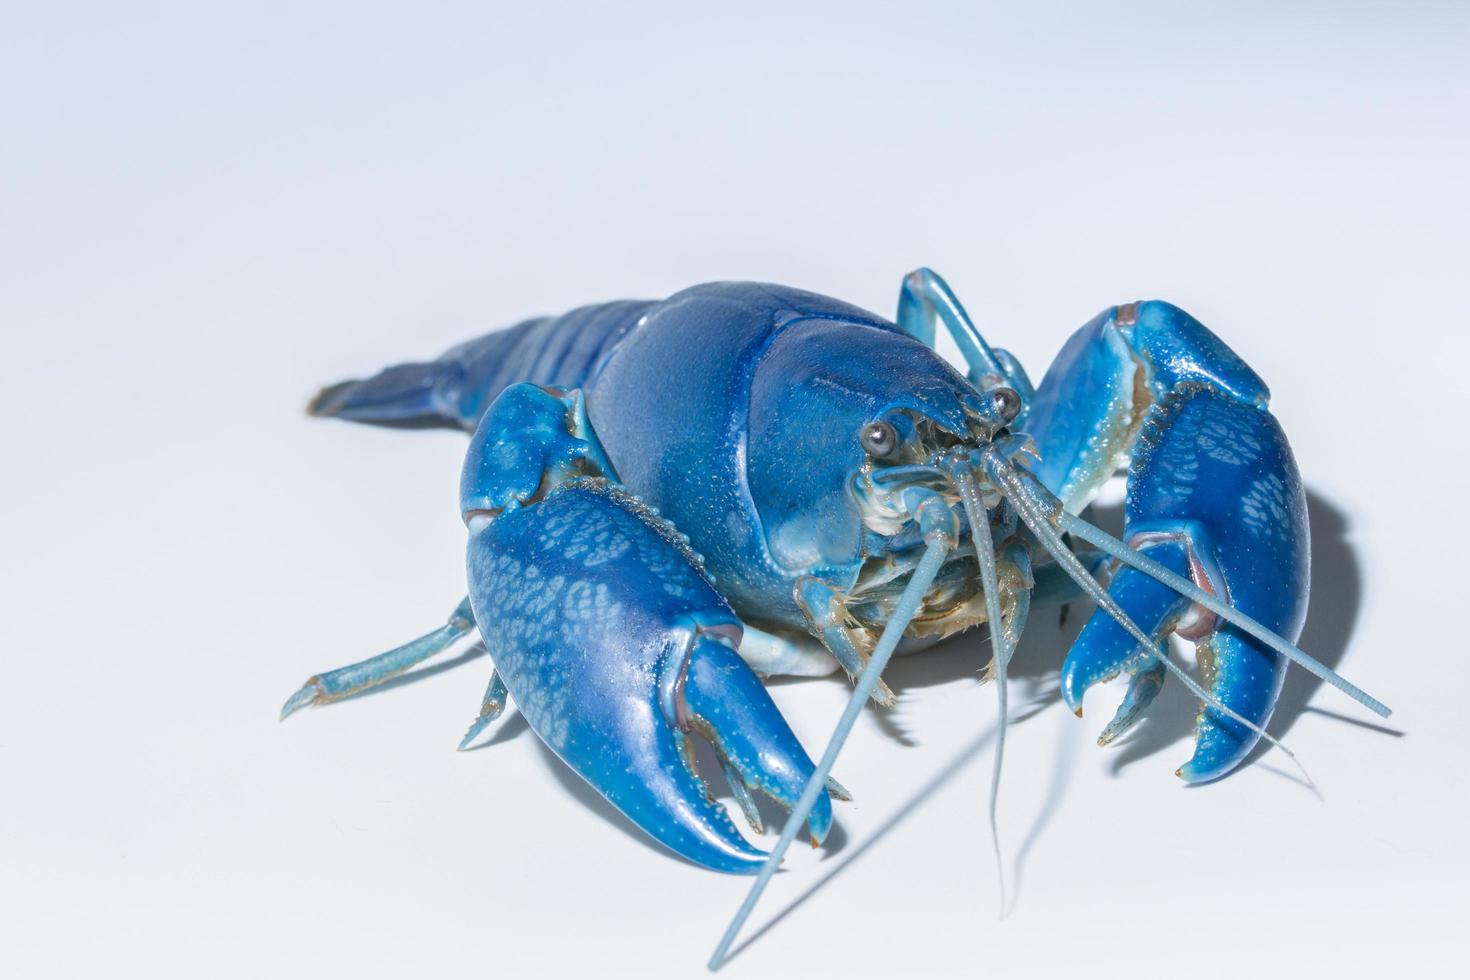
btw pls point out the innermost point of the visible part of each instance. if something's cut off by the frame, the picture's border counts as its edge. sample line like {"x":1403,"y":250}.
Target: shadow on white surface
{"x":1034,"y":685}
{"x":950,"y":770}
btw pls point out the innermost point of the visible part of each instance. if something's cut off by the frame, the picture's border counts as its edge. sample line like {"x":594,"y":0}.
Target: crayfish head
{"x":851,"y":428}
{"x":829,"y":401}
{"x":929,"y":462}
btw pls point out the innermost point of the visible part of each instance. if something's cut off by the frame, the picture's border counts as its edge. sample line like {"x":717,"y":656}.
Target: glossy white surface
{"x":204,"y":215}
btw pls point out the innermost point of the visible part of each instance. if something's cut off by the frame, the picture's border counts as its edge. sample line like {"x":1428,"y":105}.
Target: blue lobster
{"x":666,"y":499}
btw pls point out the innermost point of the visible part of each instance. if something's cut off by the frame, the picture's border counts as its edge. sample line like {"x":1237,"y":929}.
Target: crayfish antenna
{"x":979,"y":519}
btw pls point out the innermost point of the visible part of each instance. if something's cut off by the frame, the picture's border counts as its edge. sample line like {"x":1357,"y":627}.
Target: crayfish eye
{"x":879,"y":439}
{"x":1006,"y":403}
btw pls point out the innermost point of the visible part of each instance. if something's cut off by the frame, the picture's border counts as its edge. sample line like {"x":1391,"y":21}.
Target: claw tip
{"x":299,"y":700}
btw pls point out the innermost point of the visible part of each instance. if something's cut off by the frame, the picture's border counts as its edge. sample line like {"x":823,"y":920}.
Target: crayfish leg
{"x":491,"y":706}
{"x":827,"y":618}
{"x":334,"y":685}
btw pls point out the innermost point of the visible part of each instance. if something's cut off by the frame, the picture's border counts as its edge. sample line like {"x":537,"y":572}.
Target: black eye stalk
{"x":1005,"y":403}
{"x":879,"y":439}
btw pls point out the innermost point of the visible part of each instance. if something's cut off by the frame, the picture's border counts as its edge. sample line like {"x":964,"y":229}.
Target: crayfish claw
{"x":1220,"y":559}
{"x":611,"y":637}
{"x":732,"y":709}
{"x":1104,"y":649}
{"x":1246,"y":680}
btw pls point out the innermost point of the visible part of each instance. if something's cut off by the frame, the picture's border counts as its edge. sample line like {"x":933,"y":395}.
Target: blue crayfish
{"x":666,"y":499}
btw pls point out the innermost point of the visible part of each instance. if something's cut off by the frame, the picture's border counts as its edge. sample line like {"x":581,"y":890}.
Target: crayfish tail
{"x":419,"y":395}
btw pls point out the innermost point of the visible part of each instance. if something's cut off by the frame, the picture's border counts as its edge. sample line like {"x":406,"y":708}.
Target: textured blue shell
{"x":722,"y":406}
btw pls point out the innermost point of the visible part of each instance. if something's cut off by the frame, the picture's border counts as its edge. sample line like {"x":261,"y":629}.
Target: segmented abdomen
{"x":562,"y":350}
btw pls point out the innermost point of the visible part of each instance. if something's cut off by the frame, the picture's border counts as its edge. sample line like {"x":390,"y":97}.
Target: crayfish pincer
{"x":610,"y":637}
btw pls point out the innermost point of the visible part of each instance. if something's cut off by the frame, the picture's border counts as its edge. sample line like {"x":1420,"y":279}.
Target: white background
{"x":207,"y":213}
